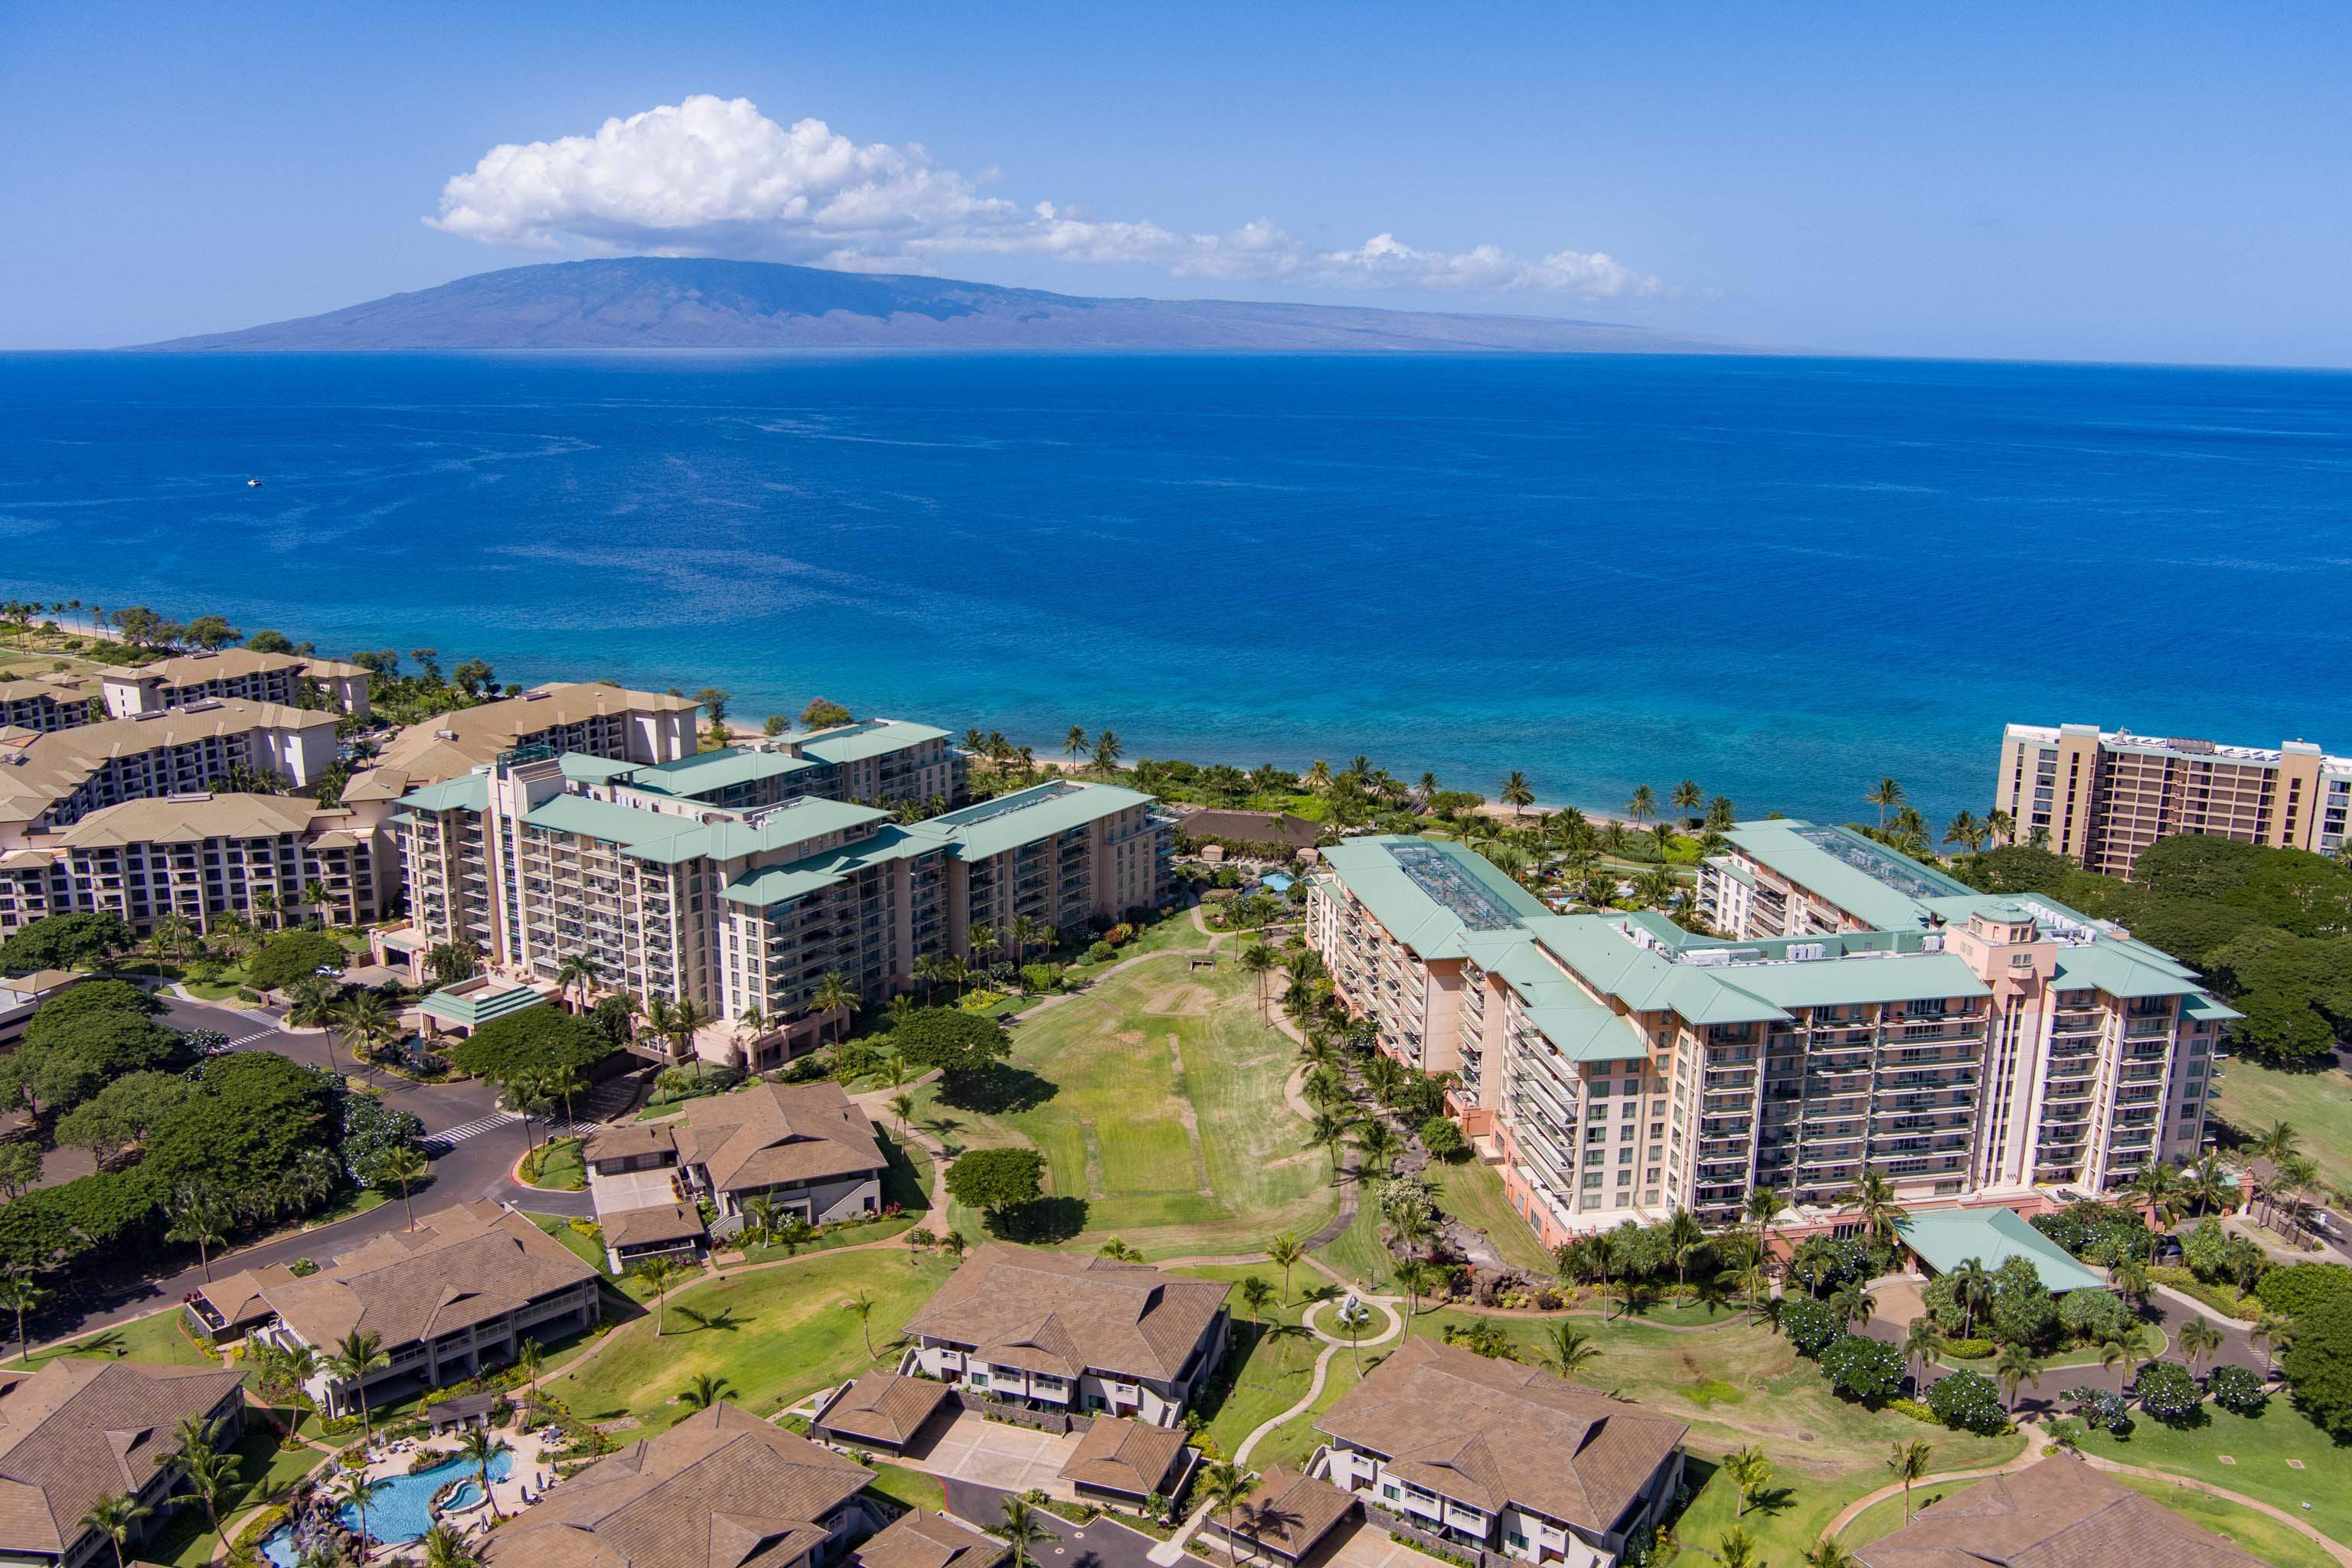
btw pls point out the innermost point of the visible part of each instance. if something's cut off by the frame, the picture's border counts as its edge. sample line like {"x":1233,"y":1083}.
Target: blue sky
{"x":2142,"y":181}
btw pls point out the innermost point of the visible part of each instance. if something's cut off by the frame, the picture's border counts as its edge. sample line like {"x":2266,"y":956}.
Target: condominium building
{"x":241,"y":673}
{"x":49,"y":782}
{"x":2056,"y":1510}
{"x":44,"y":702}
{"x":883,"y":761}
{"x":199,"y":856}
{"x":2101,"y":797}
{"x":587,"y":717}
{"x":748,"y":907}
{"x":1971,"y":1049}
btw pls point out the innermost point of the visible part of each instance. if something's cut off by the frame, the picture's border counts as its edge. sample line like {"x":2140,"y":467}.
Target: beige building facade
{"x":241,"y":674}
{"x":49,"y":782}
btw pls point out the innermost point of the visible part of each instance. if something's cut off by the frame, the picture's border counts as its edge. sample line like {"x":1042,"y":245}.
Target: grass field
{"x":1886,"y":1518}
{"x":1278,"y":1356}
{"x":1472,"y":1192}
{"x":2258,"y":1533}
{"x":157,"y":1337}
{"x":2318,"y":1105}
{"x":2265,"y":1447}
{"x":775,"y":1336}
{"x":556,"y":1166}
{"x":1163,"y":1112}
{"x":264,"y":1470}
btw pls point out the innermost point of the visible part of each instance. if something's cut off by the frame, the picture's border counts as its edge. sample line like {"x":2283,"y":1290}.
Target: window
{"x":1388,"y":1490}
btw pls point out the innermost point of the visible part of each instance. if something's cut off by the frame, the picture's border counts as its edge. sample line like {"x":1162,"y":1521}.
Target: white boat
{"x":253,"y":484}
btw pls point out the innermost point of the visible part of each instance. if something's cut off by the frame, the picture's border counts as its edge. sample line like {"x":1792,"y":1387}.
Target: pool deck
{"x":528,"y":1473}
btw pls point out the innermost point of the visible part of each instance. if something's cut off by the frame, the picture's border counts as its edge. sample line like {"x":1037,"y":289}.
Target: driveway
{"x":1062,"y":1544}
{"x":1370,"y":1546}
{"x":993,"y":1453}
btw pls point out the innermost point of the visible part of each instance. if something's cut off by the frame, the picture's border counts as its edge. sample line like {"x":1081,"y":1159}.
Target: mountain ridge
{"x":662,"y":302}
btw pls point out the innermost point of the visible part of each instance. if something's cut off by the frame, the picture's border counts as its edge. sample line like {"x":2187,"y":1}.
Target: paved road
{"x":476,"y":1162}
{"x":1062,"y":1544}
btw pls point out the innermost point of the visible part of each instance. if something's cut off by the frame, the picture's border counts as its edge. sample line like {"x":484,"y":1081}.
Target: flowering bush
{"x":2169,"y":1392}
{"x":1809,"y":1325}
{"x":2099,"y":1406}
{"x":1968,"y":1402}
{"x":2237,"y":1390}
{"x":1863,"y":1368}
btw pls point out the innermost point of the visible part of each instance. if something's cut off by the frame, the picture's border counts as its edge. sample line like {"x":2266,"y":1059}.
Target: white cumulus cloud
{"x":713,"y":176}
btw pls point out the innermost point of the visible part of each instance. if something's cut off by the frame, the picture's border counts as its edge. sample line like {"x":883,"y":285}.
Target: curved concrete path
{"x":1332,"y":1345}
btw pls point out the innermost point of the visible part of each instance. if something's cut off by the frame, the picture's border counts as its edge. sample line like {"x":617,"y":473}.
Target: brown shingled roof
{"x":77,"y":1430}
{"x":1289,"y":1513}
{"x":659,"y":1222}
{"x":1051,"y":1312}
{"x":772,"y":1134}
{"x":884,"y":1407}
{"x":1124,"y":1456}
{"x":479,"y":733}
{"x":460,"y":1266}
{"x":1488,"y":1432}
{"x":630,"y":1138}
{"x":923,"y":1540}
{"x":2059,"y":1513}
{"x":722,"y":1488}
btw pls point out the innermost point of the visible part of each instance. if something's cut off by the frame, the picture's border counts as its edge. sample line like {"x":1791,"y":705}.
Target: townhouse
{"x":1081,"y":1335}
{"x":76,"y":1431}
{"x":1499,"y":1459}
{"x":243,"y":674}
{"x":2058,"y":1511}
{"x":2101,"y":797}
{"x":455,"y":1296}
{"x":1971,"y":1049}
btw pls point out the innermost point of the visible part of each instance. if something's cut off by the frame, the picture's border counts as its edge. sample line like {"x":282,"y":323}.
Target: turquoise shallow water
{"x":1781,"y":577}
{"x":403,"y":1511}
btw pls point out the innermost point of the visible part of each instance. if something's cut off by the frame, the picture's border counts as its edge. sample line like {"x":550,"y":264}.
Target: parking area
{"x":1370,"y":1546}
{"x":992,"y":1454}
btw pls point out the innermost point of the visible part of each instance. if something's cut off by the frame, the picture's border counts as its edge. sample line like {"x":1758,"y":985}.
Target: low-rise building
{"x":925,"y":1539}
{"x":447,"y":1300}
{"x":1501,"y":1458}
{"x":241,"y":673}
{"x":886,"y":1410}
{"x":42,"y":703}
{"x":78,"y":1430}
{"x":1084,"y":1335}
{"x":2057,"y":1512}
{"x":2101,"y":797}
{"x":722,"y":1488}
{"x":1129,"y":1463}
{"x":49,"y":782}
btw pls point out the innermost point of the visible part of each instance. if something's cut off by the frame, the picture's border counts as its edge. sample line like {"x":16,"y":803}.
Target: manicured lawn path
{"x":2263,"y":1446}
{"x":775,"y":1335}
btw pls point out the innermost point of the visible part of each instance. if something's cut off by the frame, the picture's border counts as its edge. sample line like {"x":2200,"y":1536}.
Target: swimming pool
{"x":403,"y":1511}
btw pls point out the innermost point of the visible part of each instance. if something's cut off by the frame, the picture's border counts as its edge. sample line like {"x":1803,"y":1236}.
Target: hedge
{"x":2298,"y":1287}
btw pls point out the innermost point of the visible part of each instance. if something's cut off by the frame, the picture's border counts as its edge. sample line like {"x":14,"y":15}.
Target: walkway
{"x":1332,"y":1345}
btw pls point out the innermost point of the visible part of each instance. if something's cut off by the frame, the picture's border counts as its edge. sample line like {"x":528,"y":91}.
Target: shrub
{"x":2169,"y":1390}
{"x":2098,"y":1231}
{"x":304,"y":1267}
{"x":1913,"y":1409}
{"x":2204,"y":1247}
{"x":2099,"y":1406}
{"x":1120,"y":936}
{"x":1809,"y":1325}
{"x":2237,"y":1390}
{"x":2094,"y":1314}
{"x":2298,"y":1287}
{"x":1041,"y":977}
{"x":1443,"y":1139}
{"x":291,"y":955}
{"x":1101,"y":953}
{"x":1863,"y":1368}
{"x":1969,"y":1349}
{"x":1968,"y":1402}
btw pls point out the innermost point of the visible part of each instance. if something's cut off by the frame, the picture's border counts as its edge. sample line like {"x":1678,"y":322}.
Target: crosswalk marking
{"x":448,"y":1137}
{"x":248,"y":1039}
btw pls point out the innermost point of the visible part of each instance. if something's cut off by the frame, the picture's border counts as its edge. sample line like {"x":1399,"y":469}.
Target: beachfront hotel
{"x":2101,"y":797}
{"x":1868,"y":1014}
{"x":672,"y":891}
{"x":239,"y":673}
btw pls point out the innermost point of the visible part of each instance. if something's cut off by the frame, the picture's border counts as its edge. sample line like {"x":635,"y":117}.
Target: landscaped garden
{"x":2317,"y":1103}
{"x":2278,"y":1456}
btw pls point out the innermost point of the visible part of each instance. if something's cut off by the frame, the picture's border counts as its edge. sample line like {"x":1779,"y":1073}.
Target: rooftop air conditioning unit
{"x":1807,"y":952}
{"x":1709,"y":958}
{"x":445,"y":734}
{"x":1932,"y":942}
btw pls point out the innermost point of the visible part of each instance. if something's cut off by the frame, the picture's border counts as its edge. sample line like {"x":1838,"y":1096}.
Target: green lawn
{"x":913,"y":1487}
{"x":1886,"y":1518}
{"x":2263,"y":1446}
{"x":156,"y":1337}
{"x":839,"y":1237}
{"x":775,"y":1336}
{"x":2258,"y":1533}
{"x":556,"y":1166}
{"x":1277,"y":1358}
{"x":1472,"y":1192}
{"x":2318,"y":1105}
{"x":264,"y":1472}
{"x":1360,"y":1252}
{"x":1162,"y":1110}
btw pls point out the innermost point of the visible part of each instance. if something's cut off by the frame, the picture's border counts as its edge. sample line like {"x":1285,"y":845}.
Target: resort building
{"x":78,"y":1430}
{"x":587,"y":717}
{"x":883,"y":762}
{"x":44,"y":702}
{"x":49,"y":782}
{"x":722,"y":1488}
{"x":925,"y":1539}
{"x":1084,"y":1335}
{"x":746,"y":908}
{"x":260,"y":858}
{"x":238,"y":673}
{"x":1128,"y":1463}
{"x":2057,"y":1512}
{"x":2100,"y":797}
{"x":886,"y":1410}
{"x":1500,"y":1458}
{"x":1971,"y":1049}
{"x":447,"y":1300}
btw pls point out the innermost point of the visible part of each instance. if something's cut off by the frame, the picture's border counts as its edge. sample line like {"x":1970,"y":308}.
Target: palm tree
{"x":660,"y":1274}
{"x":1734,"y":1548}
{"x":1257,"y":960}
{"x":1922,"y":1341}
{"x":1885,"y":795}
{"x":1075,"y":742}
{"x":1909,"y":1463}
{"x":200,"y":1219}
{"x":1566,"y":1348}
{"x":861,"y":1307}
{"x":1972,"y":1288}
{"x":358,"y":1493}
{"x":484,"y":1449}
{"x":1329,"y":1131}
{"x":1225,"y":1486}
{"x":1765,"y":1205}
{"x":1107,"y":751}
{"x":114,"y":1515}
{"x":576,"y":969}
{"x":2001,"y":825}
{"x":20,"y":1295}
{"x":1750,"y":1471}
{"x":686,"y":1016}
{"x":2271,"y":1336}
{"x":1284,"y":1252}
{"x":356,"y":1356}
{"x":1966,"y":831}
{"x":2198,"y":1339}
{"x":2018,"y":1364}
{"x":1826,"y":1552}
{"x":1018,"y":1525}
{"x":902,"y":1105}
{"x":1688,"y":798}
{"x":1415,"y":1276}
{"x":529,"y":1361}
{"x":1027,"y":931}
{"x":1685,"y":1238}
{"x":702,"y":1391}
{"x":1376,"y":1144}
{"x":363,"y":1020}
{"x":1852,"y":1303}
{"x":445,"y":1547}
{"x":660,"y":1018}
{"x":403,"y":1165}
{"x":310,"y":1004}
{"x":1517,"y":793}
{"x":2126,"y":1350}
{"x":834,"y":993}
{"x":208,"y":1472}
{"x":2159,"y":1187}
{"x":1643,"y":805}
{"x":2131,"y":1280}
{"x":1873,"y":1197}
{"x":1257,"y":1296}
{"x":2208,"y":1185}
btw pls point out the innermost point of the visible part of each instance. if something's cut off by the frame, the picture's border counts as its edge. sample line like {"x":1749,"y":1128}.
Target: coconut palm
{"x":1909,"y":1463}
{"x":1885,"y":794}
{"x":356,"y":1356}
{"x":358,"y":1494}
{"x":402,"y":1166}
{"x":2199,"y":1338}
{"x":2018,"y":1364}
{"x":445,"y":1547}
{"x":529,"y":1361}
{"x":1853,"y":1304}
{"x":364,"y":1020}
{"x":1765,"y":1205}
{"x":1225,"y":1486}
{"x":861,"y":1307}
{"x":1750,"y":1471}
{"x":20,"y":1295}
{"x":659,"y":1274}
{"x":1376,"y":1144}
{"x":1566,"y":1348}
{"x":1017,"y":1523}
{"x":1643,"y":804}
{"x":2158,"y":1185}
{"x":1922,"y":1342}
{"x":1873,"y":1197}
{"x":1734,"y":1548}
{"x":1417,"y":1276}
{"x":115,"y":1515}
{"x":1075,"y":742}
{"x":1973,"y":1288}
{"x":702,"y":1391}
{"x":1284,"y":1252}
{"x":208,"y":1472}
{"x":1329,"y":1131}
{"x":1257,"y":961}
{"x":201,"y":1220}
{"x":1517,"y":793}
{"x":2126,"y":1350}
{"x":1257,"y":1296}
{"x":832,"y":993}
{"x":1826,"y":1552}
{"x":576,"y":969}
{"x":482,"y":1449}
{"x":1027,"y":932}
{"x":2001,"y":825}
{"x":1108,"y":749}
{"x":1688,"y":798}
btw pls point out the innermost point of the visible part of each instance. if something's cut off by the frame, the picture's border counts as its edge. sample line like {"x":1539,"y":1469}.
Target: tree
{"x":1517,"y":793}
{"x":1257,"y":1296}
{"x":401,"y":1166}
{"x":702,"y":1391}
{"x":1225,"y":1486}
{"x":1415,"y":1275}
{"x":208,"y":1472}
{"x":1826,"y":1552}
{"x":1284,"y":1252}
{"x":1016,"y":1522}
{"x":1566,"y":1348}
{"x":1108,"y":749}
{"x":533,"y":1040}
{"x":2018,"y":1364}
{"x":445,"y":1547}
{"x":833,"y":993}
{"x":63,"y":942}
{"x":1909,"y":1463}
{"x":200,"y":1219}
{"x":995,"y":1180}
{"x":1751,"y":1472}
{"x":2198,"y":1339}
{"x":1257,"y":961}
{"x":20,"y":1295}
{"x":356,"y":1356}
{"x":1885,"y":794}
{"x":450,"y":962}
{"x":823,"y":713}
{"x":1922,"y":1342}
{"x":1376,"y":1144}
{"x":1734,"y":1548}
{"x":2318,"y":1366}
{"x":964,"y":1046}
{"x":576,"y":969}
{"x":1329,"y":1131}
{"x":660,"y":1274}
{"x":529,"y":1360}
{"x":358,"y":1494}
{"x":20,"y":1167}
{"x":1863,"y":1368}
{"x":1973,"y":1289}
{"x":115,"y":1515}
{"x":861,"y":1307}
{"x":291,"y":955}
{"x":1642,"y":805}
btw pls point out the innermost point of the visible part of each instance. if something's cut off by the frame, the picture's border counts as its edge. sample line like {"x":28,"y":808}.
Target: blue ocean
{"x":1780,"y":577}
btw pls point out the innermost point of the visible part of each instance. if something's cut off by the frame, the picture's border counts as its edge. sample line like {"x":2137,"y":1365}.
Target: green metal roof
{"x":707,"y":773}
{"x":660,"y":837}
{"x":466,"y":791}
{"x":868,"y":738}
{"x":1431,"y":894}
{"x":2114,"y":968}
{"x":766,"y":885}
{"x":2206,"y":1008}
{"x":1944,"y":1239}
{"x":1861,"y":876}
{"x":480,"y":1006}
{"x":581,"y":768}
{"x":1027,"y":815}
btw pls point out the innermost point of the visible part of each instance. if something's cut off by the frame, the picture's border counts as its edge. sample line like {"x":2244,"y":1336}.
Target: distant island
{"x":654,"y":302}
